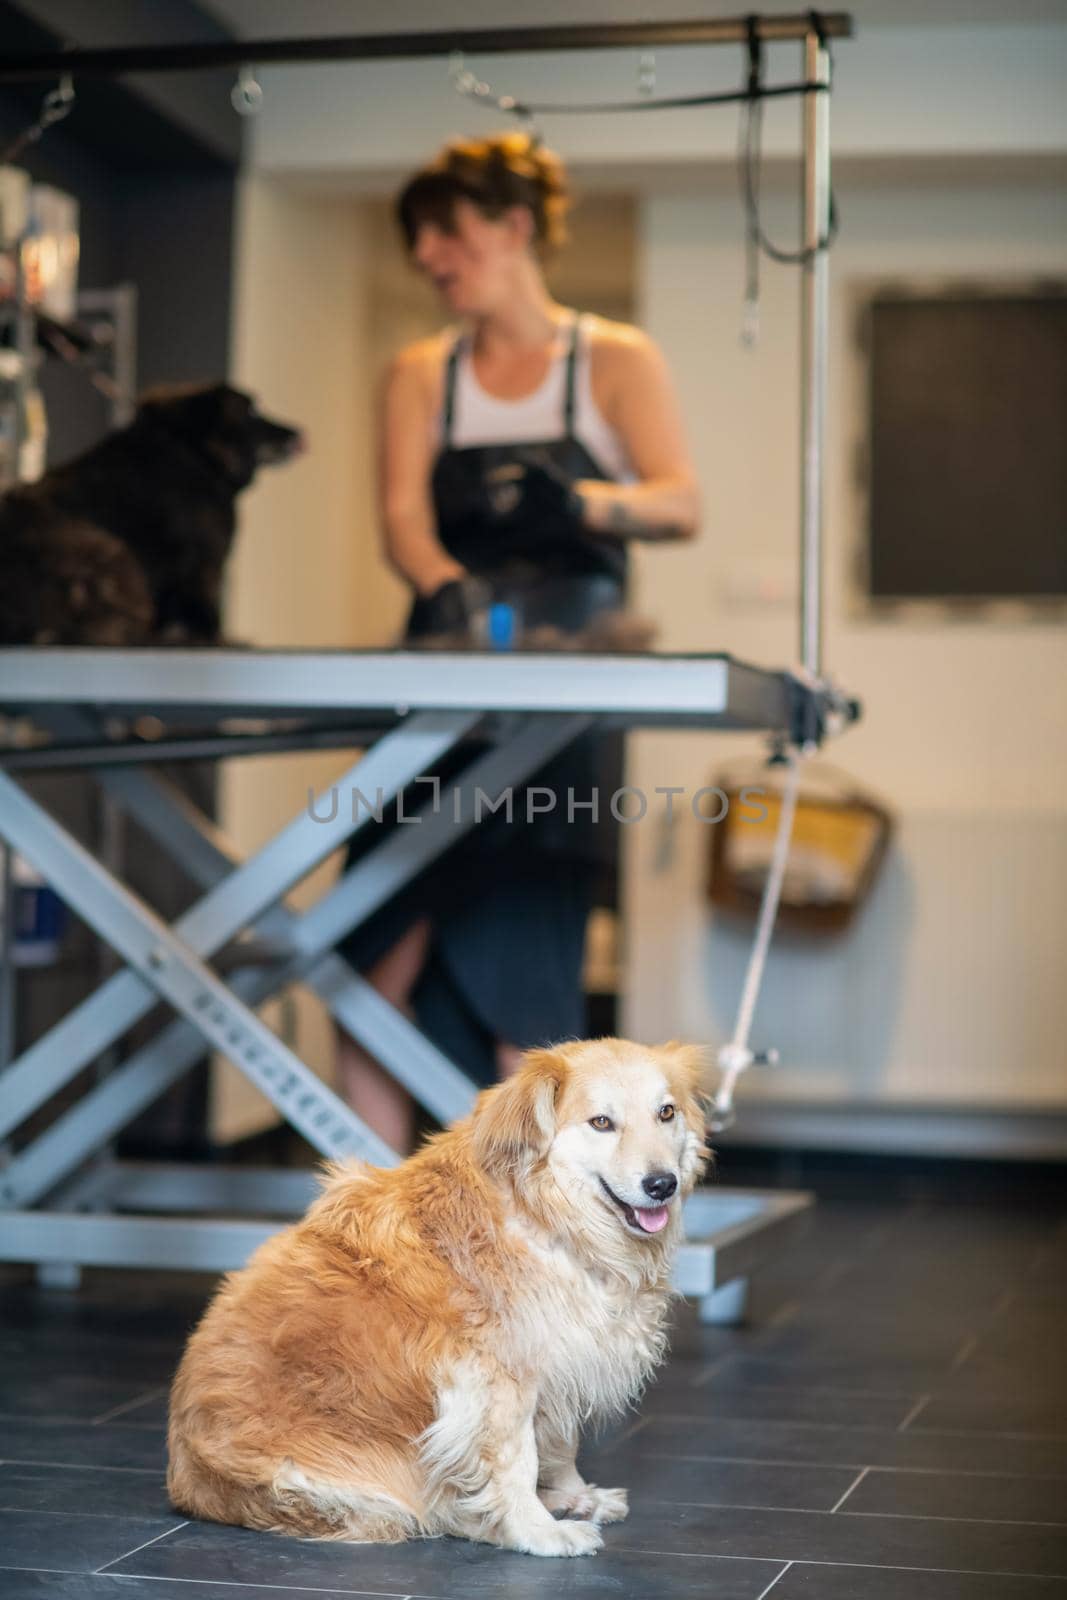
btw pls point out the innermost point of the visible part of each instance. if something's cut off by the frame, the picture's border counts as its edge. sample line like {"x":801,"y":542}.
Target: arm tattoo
{"x":625,"y":523}
{"x":621,"y":519}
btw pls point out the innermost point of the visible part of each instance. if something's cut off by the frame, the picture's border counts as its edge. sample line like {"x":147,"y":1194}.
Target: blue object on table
{"x":501,"y":626}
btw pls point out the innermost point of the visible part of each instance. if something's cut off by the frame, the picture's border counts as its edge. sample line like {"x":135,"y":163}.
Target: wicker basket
{"x":839,"y":842}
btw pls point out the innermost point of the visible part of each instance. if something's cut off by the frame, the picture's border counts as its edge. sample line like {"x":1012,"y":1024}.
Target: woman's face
{"x":472,"y":265}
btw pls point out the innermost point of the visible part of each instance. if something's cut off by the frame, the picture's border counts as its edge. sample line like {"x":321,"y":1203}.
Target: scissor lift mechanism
{"x":63,"y":1199}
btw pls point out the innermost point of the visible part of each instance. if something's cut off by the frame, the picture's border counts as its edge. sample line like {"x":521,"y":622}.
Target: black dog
{"x":127,"y":544}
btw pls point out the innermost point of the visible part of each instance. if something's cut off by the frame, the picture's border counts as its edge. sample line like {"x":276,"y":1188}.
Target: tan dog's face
{"x":615,"y":1125}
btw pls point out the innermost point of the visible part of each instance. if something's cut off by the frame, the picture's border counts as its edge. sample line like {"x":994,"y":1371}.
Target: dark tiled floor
{"x":891,"y":1425}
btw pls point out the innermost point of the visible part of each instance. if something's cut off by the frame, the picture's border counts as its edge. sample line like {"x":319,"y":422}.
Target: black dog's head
{"x":223,"y":425}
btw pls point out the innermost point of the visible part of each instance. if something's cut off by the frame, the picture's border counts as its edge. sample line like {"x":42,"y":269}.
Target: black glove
{"x":530,"y":484}
{"x":452,"y":607}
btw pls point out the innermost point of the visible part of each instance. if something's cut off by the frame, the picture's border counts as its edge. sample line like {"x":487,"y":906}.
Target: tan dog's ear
{"x":687,"y":1073}
{"x":685,"y":1066}
{"x":514,"y":1123}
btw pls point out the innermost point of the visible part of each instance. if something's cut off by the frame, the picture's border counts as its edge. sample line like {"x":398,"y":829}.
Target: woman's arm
{"x":642,"y":407}
{"x":405,"y":464}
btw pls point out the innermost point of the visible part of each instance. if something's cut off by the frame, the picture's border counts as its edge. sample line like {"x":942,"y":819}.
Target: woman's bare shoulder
{"x":621,"y":356}
{"x":419,"y":366}
{"x":619,"y":342}
{"x":427,"y":356}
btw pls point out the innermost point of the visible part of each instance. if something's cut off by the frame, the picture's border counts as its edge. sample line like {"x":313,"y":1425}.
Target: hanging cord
{"x":57,"y":104}
{"x":750,"y":321}
{"x":750,"y":143}
{"x":750,"y":157}
{"x":736,"y":1056}
{"x":466,"y":83}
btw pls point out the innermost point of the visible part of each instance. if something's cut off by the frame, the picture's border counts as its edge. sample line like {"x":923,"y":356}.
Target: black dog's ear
{"x":232,"y":405}
{"x":185,"y":406}
{"x":167,"y":398}
{"x":181,"y":409}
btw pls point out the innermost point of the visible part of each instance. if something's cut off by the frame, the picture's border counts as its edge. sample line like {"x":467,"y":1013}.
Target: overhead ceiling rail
{"x":194,"y":57}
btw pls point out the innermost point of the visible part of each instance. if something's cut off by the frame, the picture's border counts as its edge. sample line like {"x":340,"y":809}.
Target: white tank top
{"x":479,"y":418}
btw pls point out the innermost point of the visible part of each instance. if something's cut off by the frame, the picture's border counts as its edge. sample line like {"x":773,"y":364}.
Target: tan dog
{"x":417,"y":1355}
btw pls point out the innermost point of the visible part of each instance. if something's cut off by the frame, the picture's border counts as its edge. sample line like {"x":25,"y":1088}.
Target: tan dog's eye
{"x":601,"y":1124}
{"x":666,"y":1113}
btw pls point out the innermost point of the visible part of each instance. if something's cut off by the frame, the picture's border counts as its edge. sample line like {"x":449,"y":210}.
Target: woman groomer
{"x":524,"y":450}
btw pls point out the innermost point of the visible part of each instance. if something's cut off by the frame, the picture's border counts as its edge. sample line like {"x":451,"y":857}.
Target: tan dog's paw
{"x":609,"y":1505}
{"x":589,"y":1502}
{"x":562,"y":1502}
{"x":564,"y":1539}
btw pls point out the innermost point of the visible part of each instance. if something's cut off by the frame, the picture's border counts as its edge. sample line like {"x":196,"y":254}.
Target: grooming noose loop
{"x":821,"y":710}
{"x":737,"y":1056}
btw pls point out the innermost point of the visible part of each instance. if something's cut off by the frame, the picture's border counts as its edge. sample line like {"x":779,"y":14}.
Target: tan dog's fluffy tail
{"x":282,"y":1498}
{"x":203,"y":1488}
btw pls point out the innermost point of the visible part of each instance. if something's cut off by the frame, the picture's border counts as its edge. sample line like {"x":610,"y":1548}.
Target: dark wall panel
{"x":968,"y":466}
{"x":174,"y":240}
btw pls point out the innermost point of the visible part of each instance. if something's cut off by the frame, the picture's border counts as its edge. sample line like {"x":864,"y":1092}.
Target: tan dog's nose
{"x":659,"y":1185}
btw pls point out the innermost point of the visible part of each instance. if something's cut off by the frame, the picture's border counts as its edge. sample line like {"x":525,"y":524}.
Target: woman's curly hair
{"x":505,"y":169}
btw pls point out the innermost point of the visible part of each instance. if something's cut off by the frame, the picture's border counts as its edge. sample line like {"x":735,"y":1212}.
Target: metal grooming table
{"x":64,"y":1201}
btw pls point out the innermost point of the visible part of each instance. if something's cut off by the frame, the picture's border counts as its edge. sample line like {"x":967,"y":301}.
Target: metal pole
{"x":814,"y":328}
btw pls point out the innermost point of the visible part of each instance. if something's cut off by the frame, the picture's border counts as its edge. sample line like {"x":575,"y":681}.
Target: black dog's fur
{"x":127,"y":544}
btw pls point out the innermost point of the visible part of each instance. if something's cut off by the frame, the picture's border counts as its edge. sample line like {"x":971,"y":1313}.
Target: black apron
{"x":555,"y":571}
{"x":509,"y":901}
{"x":518,"y":550}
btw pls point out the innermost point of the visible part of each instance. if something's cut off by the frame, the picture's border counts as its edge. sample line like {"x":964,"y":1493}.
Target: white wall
{"x":950,"y":987}
{"x":299,"y":345}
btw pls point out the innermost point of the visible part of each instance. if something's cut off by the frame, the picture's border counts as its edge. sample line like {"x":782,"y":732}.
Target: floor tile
{"x":90,"y":1491}
{"x":803,"y":1582}
{"x":25,"y":1585}
{"x":1034,"y":1377}
{"x":722,"y":1395}
{"x":853,"y":1540}
{"x":72,"y":1394}
{"x":609,"y":1576}
{"x":744,"y":1366}
{"x":149,"y":1411}
{"x":730,"y":1438}
{"x":655,"y":1478}
{"x":66,"y":1542}
{"x":986,"y":1410}
{"x":849,"y":1317}
{"x":826,"y":1364}
{"x":861,"y":1358}
{"x":973,"y":1292}
{"x":937,"y":1494}
{"x":82,"y":1443}
{"x":444,"y":1569}
{"x":126,"y":1363}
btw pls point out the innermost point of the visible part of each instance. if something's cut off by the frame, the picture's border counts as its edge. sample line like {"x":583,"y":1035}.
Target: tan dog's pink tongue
{"x":652,"y":1220}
